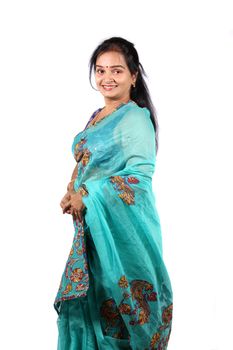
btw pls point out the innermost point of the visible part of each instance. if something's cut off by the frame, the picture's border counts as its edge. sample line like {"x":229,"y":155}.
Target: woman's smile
{"x":109,"y":87}
{"x":113,"y":77}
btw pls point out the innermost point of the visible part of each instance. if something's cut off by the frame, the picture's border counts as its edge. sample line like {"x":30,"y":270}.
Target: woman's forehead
{"x":111,"y":58}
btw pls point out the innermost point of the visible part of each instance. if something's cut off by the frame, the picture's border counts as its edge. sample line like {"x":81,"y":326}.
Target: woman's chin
{"x":110,"y":95}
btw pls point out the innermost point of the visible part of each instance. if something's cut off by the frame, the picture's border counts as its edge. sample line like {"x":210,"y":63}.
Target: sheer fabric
{"x":115,"y":275}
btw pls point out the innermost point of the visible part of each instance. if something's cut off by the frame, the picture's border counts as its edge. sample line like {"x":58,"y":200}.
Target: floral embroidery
{"x":134,"y":304}
{"x":78,"y":151}
{"x":80,"y":287}
{"x":86,"y":157}
{"x":154,"y":340}
{"x":167,"y":314}
{"x":71,"y":252}
{"x":82,"y":154}
{"x":160,"y":339}
{"x":83,"y":190}
{"x":68,"y":266}
{"x":67,"y":289}
{"x":140,"y":292}
{"x":121,"y":185}
{"x":123,"y":283}
{"x":111,"y":320}
{"x":75,"y":279}
{"x":76,"y":275}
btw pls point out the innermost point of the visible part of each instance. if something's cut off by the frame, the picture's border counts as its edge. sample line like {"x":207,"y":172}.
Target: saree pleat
{"x":115,"y":292}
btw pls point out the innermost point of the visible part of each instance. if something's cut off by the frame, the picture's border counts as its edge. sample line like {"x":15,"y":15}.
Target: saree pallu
{"x":115,"y":291}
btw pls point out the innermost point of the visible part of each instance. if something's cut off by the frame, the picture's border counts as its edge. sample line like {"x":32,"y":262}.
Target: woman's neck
{"x":112,"y":104}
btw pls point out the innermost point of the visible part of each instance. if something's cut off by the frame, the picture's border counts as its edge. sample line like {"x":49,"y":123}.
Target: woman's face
{"x":112,"y":76}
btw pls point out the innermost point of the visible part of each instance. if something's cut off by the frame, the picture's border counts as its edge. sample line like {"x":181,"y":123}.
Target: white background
{"x":186,"y":48}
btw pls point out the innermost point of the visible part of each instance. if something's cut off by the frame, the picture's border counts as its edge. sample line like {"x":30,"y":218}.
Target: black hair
{"x":140,"y":93}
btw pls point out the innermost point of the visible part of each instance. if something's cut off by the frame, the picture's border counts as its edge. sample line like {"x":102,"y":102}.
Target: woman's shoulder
{"x":134,"y":110}
{"x":134,"y":117}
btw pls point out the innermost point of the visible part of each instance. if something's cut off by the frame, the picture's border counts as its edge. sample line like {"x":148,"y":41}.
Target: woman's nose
{"x":109,"y":76}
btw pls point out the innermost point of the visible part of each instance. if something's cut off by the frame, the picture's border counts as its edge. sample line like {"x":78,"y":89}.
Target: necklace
{"x":96,"y":120}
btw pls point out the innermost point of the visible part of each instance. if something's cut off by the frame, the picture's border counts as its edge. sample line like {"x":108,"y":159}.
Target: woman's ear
{"x":134,"y":77}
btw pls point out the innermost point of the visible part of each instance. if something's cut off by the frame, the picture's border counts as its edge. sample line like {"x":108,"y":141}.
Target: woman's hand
{"x":73,"y":205}
{"x":67,"y":196}
{"x":65,"y":200}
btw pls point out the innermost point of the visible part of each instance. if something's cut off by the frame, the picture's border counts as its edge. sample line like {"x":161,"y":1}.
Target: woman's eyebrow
{"x":115,"y":66}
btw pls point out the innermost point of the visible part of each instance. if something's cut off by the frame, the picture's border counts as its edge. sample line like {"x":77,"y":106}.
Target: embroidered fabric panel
{"x":141,"y":293}
{"x":160,"y":339}
{"x":111,"y":320}
{"x":137,"y":298}
{"x":122,"y":186}
{"x":75,"y":279}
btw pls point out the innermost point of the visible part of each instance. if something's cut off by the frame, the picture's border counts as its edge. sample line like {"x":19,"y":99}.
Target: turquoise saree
{"x":115,"y":291}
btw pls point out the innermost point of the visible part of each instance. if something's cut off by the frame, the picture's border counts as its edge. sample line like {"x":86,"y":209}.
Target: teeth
{"x":109,"y":87}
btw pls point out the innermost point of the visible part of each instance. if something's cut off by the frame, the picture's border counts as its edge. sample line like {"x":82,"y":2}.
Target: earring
{"x":133,"y":85}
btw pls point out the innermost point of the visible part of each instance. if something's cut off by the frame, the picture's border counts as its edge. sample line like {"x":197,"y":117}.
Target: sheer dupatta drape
{"x":117,"y":167}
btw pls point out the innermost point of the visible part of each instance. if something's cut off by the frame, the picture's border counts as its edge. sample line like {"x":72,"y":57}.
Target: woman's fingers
{"x":62,"y":204}
{"x":79,"y":216}
{"x":64,"y":200}
{"x":71,"y":204}
{"x":66,"y":206}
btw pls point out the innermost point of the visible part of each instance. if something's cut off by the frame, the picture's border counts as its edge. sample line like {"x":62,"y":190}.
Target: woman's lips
{"x":109,"y":87}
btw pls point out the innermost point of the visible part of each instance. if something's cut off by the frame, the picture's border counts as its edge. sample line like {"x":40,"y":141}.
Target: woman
{"x":115,"y":292}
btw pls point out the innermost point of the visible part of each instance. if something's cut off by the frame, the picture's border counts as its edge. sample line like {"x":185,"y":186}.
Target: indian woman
{"x":115,"y":291}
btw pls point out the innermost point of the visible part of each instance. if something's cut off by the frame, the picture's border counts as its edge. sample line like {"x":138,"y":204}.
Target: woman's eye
{"x":101,"y":71}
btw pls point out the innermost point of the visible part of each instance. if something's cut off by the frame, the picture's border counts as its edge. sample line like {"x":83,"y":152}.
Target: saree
{"x":115,"y":291}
